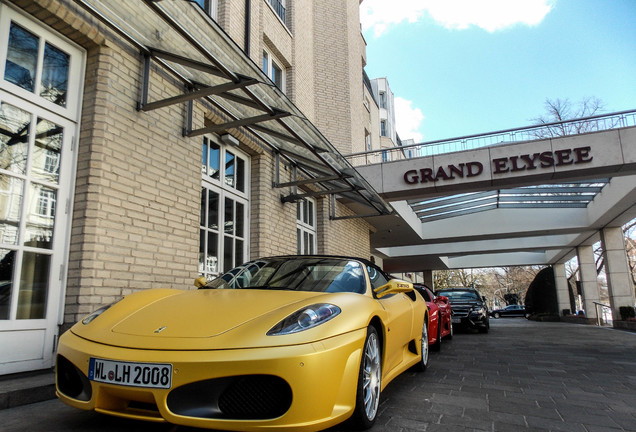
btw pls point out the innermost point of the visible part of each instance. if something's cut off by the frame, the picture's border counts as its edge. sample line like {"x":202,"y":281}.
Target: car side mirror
{"x":394,"y":286}
{"x":442,"y":299}
{"x":200,"y":281}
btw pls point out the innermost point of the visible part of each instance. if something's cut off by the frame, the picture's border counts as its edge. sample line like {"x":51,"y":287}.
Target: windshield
{"x":318,"y":274}
{"x":460,"y":295}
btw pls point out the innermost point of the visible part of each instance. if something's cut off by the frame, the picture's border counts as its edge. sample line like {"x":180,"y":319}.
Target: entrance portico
{"x":538,"y":202}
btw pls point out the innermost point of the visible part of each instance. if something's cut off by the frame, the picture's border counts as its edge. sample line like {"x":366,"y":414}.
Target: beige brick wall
{"x":356,"y":60}
{"x":348,"y":237}
{"x":135,"y":222}
{"x":301,"y":82}
{"x":273,"y":224}
{"x":331,"y":65}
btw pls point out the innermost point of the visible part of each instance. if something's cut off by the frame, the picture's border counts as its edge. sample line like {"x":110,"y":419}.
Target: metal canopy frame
{"x":216,"y":72}
{"x":564,"y":195}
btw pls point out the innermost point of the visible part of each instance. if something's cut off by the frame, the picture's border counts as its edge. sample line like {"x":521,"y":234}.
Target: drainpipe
{"x":248,"y":9}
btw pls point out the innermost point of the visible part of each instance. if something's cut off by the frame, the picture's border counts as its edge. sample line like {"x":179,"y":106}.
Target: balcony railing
{"x":470,"y":142}
{"x":279,"y":8}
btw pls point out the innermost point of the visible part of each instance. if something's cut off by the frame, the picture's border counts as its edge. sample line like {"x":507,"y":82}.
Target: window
{"x":367,"y":140}
{"x":209,"y":6}
{"x":46,"y":203}
{"x":21,"y":67}
{"x":223,"y":239}
{"x":41,"y":76}
{"x":52,"y":162}
{"x":306,"y":226}
{"x":382,"y":100}
{"x":383,"y":131}
{"x":272,"y":69}
{"x":279,"y":8}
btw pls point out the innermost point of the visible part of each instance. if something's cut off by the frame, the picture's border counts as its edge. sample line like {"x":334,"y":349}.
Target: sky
{"x":462,"y":67}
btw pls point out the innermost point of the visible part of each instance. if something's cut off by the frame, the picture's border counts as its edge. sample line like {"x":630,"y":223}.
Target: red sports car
{"x":440,"y":325}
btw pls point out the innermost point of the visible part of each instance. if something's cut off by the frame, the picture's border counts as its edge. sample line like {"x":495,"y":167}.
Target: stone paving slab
{"x":521,"y":376}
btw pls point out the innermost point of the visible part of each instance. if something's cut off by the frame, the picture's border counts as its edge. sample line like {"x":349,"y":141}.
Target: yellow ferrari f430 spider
{"x":296,"y":343}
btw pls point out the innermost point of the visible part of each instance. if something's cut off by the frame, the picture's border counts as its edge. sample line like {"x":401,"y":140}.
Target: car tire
{"x":437,"y":346}
{"x":424,"y":350}
{"x":450,"y":335}
{"x":496,"y":315}
{"x":369,"y":382}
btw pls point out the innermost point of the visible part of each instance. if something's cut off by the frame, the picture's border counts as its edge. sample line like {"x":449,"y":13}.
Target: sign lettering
{"x":502,"y":165}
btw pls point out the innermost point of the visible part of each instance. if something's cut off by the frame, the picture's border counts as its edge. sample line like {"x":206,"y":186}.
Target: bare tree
{"x":557,"y":120}
{"x":457,"y":278}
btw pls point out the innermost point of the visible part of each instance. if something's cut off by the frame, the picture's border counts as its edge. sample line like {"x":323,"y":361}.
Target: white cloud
{"x":490,"y":15}
{"x":408,"y":119}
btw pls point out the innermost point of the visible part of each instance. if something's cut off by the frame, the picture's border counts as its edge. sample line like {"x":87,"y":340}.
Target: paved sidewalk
{"x":522,"y":376}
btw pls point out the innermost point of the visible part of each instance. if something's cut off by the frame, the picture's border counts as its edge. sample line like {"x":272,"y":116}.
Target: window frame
{"x":383,"y":128}
{"x":74,"y":87}
{"x":271,"y":63}
{"x":382,"y":101}
{"x":279,"y":9}
{"x":210,"y":7}
{"x":225,"y":192}
{"x":306,"y":227}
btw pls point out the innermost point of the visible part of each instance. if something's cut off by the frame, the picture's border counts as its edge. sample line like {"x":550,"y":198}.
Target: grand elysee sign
{"x":502,"y":165}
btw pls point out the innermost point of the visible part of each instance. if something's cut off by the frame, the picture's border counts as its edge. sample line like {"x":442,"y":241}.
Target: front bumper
{"x":472,"y":320}
{"x":321,"y":378}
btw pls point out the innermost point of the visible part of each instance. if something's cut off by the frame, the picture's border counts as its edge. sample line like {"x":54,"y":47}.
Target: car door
{"x":399,"y":309}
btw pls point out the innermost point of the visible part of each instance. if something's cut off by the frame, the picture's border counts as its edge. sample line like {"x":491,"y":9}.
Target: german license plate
{"x":456,"y":320}
{"x":149,"y":375}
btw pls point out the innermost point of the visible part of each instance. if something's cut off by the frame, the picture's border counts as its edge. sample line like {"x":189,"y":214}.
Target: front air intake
{"x":246,"y":397}
{"x":71,"y":381}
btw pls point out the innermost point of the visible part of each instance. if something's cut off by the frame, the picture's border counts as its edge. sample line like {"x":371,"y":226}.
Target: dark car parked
{"x":469,"y":308}
{"x":510,"y":311}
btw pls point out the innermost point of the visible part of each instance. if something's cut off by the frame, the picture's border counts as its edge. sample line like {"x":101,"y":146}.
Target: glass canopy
{"x":564,"y":195}
{"x":178,"y":37}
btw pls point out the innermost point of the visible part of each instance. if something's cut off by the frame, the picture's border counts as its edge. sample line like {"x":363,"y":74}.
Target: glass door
{"x":40,"y":87}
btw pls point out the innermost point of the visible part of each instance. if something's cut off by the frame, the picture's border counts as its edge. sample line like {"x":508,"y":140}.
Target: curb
{"x":26,"y":388}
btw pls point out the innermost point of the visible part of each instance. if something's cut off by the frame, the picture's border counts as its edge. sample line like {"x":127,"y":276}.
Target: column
{"x":428,"y":279}
{"x":619,"y":281}
{"x":589,"y":283}
{"x":562,"y":291}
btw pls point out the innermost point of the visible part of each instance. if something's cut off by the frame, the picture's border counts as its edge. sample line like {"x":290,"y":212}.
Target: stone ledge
{"x":577,"y":319}
{"x":26,"y":388}
{"x":625,"y":325}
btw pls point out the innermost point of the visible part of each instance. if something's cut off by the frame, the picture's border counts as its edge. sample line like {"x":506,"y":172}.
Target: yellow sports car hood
{"x":217,"y":319}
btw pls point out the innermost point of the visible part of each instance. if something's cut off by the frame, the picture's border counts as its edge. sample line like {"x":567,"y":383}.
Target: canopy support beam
{"x":240,"y":122}
{"x":297,"y":197}
{"x":196,"y":94}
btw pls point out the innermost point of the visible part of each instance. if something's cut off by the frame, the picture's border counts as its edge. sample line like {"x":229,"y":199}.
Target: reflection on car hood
{"x":201,"y":313}
{"x":206,"y":319}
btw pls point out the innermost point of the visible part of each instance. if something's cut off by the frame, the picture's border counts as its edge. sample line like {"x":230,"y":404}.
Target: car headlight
{"x":90,"y":317}
{"x":305,"y":318}
{"x":478,"y":309}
